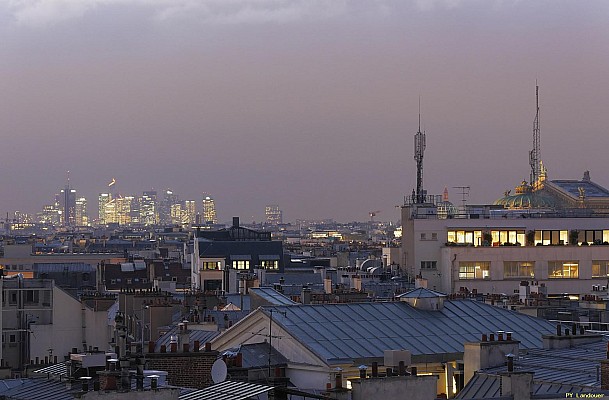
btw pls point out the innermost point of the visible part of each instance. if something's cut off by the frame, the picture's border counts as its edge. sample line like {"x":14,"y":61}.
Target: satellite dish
{"x":218,"y":371}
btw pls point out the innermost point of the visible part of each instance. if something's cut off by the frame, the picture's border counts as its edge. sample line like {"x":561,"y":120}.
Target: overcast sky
{"x":309,"y":104}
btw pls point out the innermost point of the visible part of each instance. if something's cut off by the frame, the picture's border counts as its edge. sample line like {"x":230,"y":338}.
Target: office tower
{"x":148,"y":208}
{"x":135,"y":212}
{"x":190,"y":212}
{"x":81,"y":218}
{"x":68,"y":205}
{"x":51,"y":213}
{"x":123,"y":210}
{"x":170,"y":199}
{"x":209,"y":210}
{"x":102,"y":200}
{"x":274,"y":215}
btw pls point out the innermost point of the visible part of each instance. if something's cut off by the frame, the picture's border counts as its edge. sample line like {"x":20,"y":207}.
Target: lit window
{"x":269,"y":264}
{"x":563,"y":269}
{"x":240,"y":264}
{"x":211,"y":265}
{"x":474,"y":270}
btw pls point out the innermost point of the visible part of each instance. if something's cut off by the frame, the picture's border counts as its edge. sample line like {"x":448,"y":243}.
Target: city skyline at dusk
{"x":312,"y":105}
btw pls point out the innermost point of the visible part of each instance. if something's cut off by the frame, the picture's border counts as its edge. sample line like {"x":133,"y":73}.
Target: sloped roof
{"x":488,"y":386}
{"x":572,"y":186}
{"x":568,"y":370}
{"x":37,"y":389}
{"x":421,"y":293}
{"x":271,"y":296}
{"x":343,"y":332}
{"x":194,"y":334}
{"x":228,"y":390}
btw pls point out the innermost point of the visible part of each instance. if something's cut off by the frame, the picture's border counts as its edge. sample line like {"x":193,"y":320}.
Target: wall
{"x":160,"y":394}
{"x":479,"y":355}
{"x":395,"y":388}
{"x":192,"y":369}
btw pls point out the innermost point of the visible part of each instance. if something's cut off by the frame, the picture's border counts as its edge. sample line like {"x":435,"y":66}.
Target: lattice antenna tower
{"x":419,"y":149}
{"x":535,"y":154}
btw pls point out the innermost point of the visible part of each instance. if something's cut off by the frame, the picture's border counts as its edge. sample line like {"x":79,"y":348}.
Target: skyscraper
{"x":68,"y":205}
{"x":274,"y":215}
{"x":148,"y":208}
{"x":102,"y":200}
{"x":190,"y":212}
{"x":168,"y":203}
{"x":81,"y":218}
{"x":209,"y":210}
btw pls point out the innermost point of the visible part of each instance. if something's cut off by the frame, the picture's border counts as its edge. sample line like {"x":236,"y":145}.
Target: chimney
{"x":480,"y":355}
{"x":305,"y":296}
{"x":517,"y":385}
{"x":235,"y":222}
{"x":328,"y":285}
{"x":362,"y":371}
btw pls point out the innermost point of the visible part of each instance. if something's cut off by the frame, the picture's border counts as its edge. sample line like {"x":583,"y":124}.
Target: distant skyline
{"x":308,"y":104}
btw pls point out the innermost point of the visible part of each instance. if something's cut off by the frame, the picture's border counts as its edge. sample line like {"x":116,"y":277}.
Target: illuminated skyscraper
{"x":81,"y":217}
{"x":209,"y":210}
{"x":148,"y":208}
{"x":274,"y":215}
{"x":102,"y":201}
{"x":190,"y":212}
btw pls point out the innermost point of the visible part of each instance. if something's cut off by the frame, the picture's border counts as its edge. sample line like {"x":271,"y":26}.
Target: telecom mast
{"x":535,"y":154}
{"x":419,"y":149}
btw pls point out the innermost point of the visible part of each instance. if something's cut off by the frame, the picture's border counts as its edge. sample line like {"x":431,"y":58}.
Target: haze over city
{"x":311,"y":105}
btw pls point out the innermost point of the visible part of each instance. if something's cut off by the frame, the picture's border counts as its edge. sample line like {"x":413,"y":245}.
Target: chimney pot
{"x":362,"y":371}
{"x":413,"y":371}
{"x":484,"y":337}
{"x":510,"y":363}
{"x":185,"y":347}
{"x":558,"y":330}
{"x":491,"y":337}
{"x":402,"y":368}
{"x":375,"y":369}
{"x":388,"y":371}
{"x":207,"y":346}
{"x":509,"y":335}
{"x":197,"y":344}
{"x":566,"y":331}
{"x":151,"y":346}
{"x":163,"y":348}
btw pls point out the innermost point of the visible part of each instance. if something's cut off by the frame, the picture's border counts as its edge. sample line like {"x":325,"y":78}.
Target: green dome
{"x":525,"y":198}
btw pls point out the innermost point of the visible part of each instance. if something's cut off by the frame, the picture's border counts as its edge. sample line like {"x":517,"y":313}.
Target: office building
{"x":209,"y":210}
{"x":274,"y":215}
{"x":148,"y":208}
{"x":81,"y":218}
{"x":68,"y":206}
{"x":102,"y":200}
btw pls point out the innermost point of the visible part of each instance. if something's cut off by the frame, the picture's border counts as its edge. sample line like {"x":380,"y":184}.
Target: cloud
{"x":41,"y":13}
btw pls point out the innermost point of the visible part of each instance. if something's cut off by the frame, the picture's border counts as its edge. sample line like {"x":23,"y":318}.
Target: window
{"x":240,"y":264}
{"x":551,"y":237}
{"x":518,"y":269}
{"x":31,"y":297}
{"x":12,"y":338}
{"x":508,"y":236}
{"x":462,"y":237}
{"x":113,"y":281}
{"x":428,"y":264}
{"x":600,"y":269}
{"x":563,"y":269}
{"x":210,"y":265}
{"x":128,"y":281}
{"x":269,"y":264}
{"x":13,"y":298}
{"x":434,"y":236}
{"x":474,"y":270}
{"x":423,"y":236}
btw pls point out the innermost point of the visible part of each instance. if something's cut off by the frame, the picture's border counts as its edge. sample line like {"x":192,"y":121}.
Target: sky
{"x":308,"y":104}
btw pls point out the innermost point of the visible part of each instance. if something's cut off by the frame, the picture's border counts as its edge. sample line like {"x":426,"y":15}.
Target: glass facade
{"x":474,"y":270}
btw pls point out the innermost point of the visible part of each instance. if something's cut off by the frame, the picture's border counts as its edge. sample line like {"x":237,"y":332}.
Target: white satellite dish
{"x":218,"y":371}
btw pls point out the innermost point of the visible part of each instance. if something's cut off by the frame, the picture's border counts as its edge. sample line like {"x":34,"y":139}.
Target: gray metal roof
{"x":37,"y":389}
{"x":487,"y":386}
{"x":227,"y":390}
{"x":59,"y":369}
{"x":194,"y":334}
{"x":257,"y":355}
{"x":343,"y":332}
{"x":272,"y":296}
{"x":568,"y":370}
{"x":421,"y":293}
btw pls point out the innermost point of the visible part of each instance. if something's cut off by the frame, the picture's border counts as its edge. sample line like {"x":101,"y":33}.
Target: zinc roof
{"x":343,"y":332}
{"x":227,"y":390}
{"x":271,"y":296}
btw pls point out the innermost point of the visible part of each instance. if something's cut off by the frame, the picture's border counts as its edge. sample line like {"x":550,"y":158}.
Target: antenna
{"x":419,"y":149}
{"x":535,"y":154}
{"x":218,"y":371}
{"x":464,"y":192}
